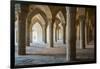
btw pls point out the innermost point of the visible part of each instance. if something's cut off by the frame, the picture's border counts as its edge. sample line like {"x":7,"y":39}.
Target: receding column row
{"x":44,"y":34}
{"x":71,"y":31}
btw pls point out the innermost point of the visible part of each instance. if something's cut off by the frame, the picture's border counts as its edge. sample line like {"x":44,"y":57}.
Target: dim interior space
{"x":46,"y":34}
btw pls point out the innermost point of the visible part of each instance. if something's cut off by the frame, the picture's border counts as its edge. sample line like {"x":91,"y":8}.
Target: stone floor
{"x":42,"y":55}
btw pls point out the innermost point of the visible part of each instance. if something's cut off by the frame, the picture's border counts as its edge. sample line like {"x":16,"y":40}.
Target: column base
{"x":82,"y":44}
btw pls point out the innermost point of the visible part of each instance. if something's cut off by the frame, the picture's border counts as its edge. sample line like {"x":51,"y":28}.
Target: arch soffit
{"x":34,"y":12}
{"x":43,"y":8}
{"x":34,"y":22}
{"x":37,"y":18}
{"x":60,"y":17}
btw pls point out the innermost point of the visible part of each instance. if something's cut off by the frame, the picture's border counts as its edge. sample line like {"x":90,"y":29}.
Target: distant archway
{"x":60,"y":32}
{"x":36,"y":29}
{"x":36,"y":33}
{"x":61,"y":26}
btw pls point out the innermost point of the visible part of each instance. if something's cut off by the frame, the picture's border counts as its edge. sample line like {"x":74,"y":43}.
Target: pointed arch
{"x":60,"y":16}
{"x":62,"y":25}
{"x":35,"y":12}
{"x":36,"y":33}
{"x":38,"y":18}
{"x":43,"y":8}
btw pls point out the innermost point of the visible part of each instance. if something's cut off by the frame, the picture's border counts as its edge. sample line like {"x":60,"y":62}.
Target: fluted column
{"x":82,"y":32}
{"x":22,"y":31}
{"x":71,"y":45}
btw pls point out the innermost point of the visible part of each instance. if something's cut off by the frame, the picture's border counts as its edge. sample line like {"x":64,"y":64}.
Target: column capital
{"x":64,"y":25}
{"x":44,"y":26}
{"x":49,"y":20}
{"x":82,"y":17}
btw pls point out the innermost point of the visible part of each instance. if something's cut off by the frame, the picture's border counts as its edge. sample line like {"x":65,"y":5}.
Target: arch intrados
{"x":60,"y":16}
{"x":44,"y":8}
{"x":35,"y":12}
{"x":35,"y":20}
{"x":38,"y":17}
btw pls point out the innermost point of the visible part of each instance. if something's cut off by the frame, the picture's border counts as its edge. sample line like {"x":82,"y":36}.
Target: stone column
{"x":85,"y":34}
{"x":93,"y":26}
{"x":56,"y":34}
{"x":16,"y":27}
{"x":86,"y":30}
{"x":51,"y":34}
{"x":93,"y":29}
{"x":82,"y":32}
{"x":64,"y":33}
{"x":44,"y":34}
{"x":89,"y":31}
{"x":31,"y":33}
{"x":28,"y":37}
{"x":71,"y":30}
{"x":22,"y":31}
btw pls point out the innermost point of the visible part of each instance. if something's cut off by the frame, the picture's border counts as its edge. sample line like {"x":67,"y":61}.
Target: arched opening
{"x":36,"y":30}
{"x":36,"y":33}
{"x":61,"y":26}
{"x":60,"y":34}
